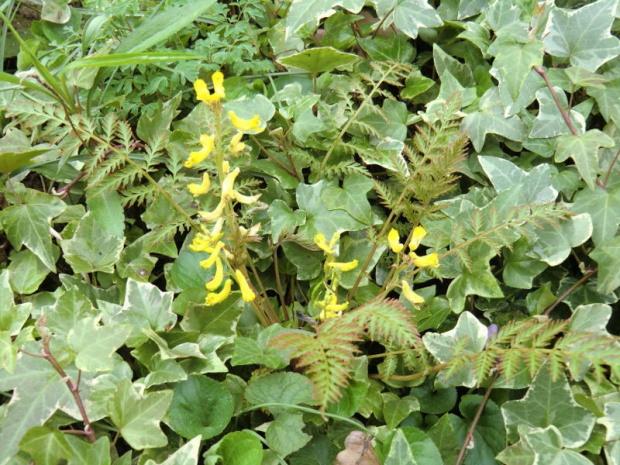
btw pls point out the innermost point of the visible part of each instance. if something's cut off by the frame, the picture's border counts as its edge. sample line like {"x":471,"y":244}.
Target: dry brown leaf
{"x":358,"y":451}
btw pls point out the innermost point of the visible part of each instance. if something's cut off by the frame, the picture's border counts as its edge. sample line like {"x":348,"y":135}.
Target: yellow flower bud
{"x":218,"y":277}
{"x":245,"y":124}
{"x":207,"y":142}
{"x":430,"y":260}
{"x":215,"y":298}
{"x":199,"y":189}
{"x":393,"y":240}
{"x":411,"y":296}
{"x":246,"y":291}
{"x":418,"y":234}
{"x":343,"y":266}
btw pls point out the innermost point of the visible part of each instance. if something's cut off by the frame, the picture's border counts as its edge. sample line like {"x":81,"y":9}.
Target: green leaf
{"x":29,"y":224}
{"x":151,"y":127}
{"x":137,"y":416}
{"x":603,"y":206}
{"x":390,"y":49}
{"x":16,"y":151}
{"x":129,"y":59}
{"x":86,"y":453}
{"x":319,"y":59}
{"x":280,"y":388}
{"x":302,"y":12}
{"x":308,"y":263}
{"x":95,"y":345}
{"x":186,"y":270}
{"x":12,"y":317}
{"x":611,"y":421}
{"x":584,"y":150}
{"x":407,"y":15}
{"x":547,"y":446}
{"x":519,"y":269}
{"x":8,"y":353}
{"x":399,"y":451}
{"x":550,"y":402}
{"x":513,"y":63}
{"x":27,"y":272}
{"x":108,"y":212}
{"x":200,"y":406}
{"x":389,"y":123}
{"x":396,"y":409}
{"x":319,"y":218}
{"x":186,"y":455}
{"x":445,"y":63}
{"x":591,"y":317}
{"x":162,"y":26}
{"x":433,"y":399}
{"x":443,"y":435}
{"x":607,"y":255}
{"x":241,"y":448}
{"x":442,"y":347}
{"x":218,"y":320}
{"x":45,"y":446}
{"x":283,"y":219}
{"x":68,"y":310}
{"x":555,"y":241}
{"x":583,"y":35}
{"x":56,"y":11}
{"x":352,"y":398}
{"x":549,"y":121}
{"x":489,"y":119}
{"x":479,"y":281}
{"x":358,"y":249}
{"x":350,"y":198}
{"x":249,"y":352}
{"x":284,"y":435}
{"x":91,"y":248}
{"x":535,"y":185}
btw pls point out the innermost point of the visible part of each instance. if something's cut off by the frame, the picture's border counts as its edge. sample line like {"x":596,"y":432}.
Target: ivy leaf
{"x":546,"y":403}
{"x":68,"y":310}
{"x":95,"y":345}
{"x":479,"y":281}
{"x":547,"y":446}
{"x":84,"y":452}
{"x":607,"y":255}
{"x":555,"y":241}
{"x":603,"y":206}
{"x":519,"y":269}
{"x":302,"y":12}
{"x":396,"y":409}
{"x":407,"y":15}
{"x":47,"y":447}
{"x":283,"y":219}
{"x":549,"y":121}
{"x":29,"y":224}
{"x":16,"y":151}
{"x":92,"y":248}
{"x":443,"y":435}
{"x":12,"y":317}
{"x":218,"y":320}
{"x":443,"y":345}
{"x":137,"y":416}
{"x":284,"y":435}
{"x":27,"y":272}
{"x":611,"y":421}
{"x":583,"y":35}
{"x":399,"y":451}
{"x":319,"y":59}
{"x":489,"y":119}
{"x":513,"y":63}
{"x":107,"y":209}
{"x":584,"y":150}
{"x":351,"y":197}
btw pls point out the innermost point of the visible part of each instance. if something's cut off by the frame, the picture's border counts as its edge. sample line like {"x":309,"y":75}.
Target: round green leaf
{"x":241,"y":448}
{"x":200,"y":405}
{"x":319,"y":60}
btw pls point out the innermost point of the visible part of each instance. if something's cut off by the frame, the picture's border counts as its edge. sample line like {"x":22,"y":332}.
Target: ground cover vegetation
{"x":309,"y":232}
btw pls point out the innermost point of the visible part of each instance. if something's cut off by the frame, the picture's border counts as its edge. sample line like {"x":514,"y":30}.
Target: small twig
{"x":65,"y":190}
{"x":611,"y":166}
{"x":274,"y":159}
{"x":570,"y":290}
{"x":540,"y":70}
{"x":470,"y":433}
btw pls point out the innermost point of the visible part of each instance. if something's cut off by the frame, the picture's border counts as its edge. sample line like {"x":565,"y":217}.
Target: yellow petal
{"x":246,"y":199}
{"x":236,"y":146}
{"x":202,"y":92}
{"x":337,"y":307}
{"x":228,"y":183}
{"x":213,"y":215}
{"x":343,"y":266}
{"x":208,"y":263}
{"x":218,"y":277}
{"x":218,"y":85}
{"x":430,"y":260}
{"x":393,"y":240}
{"x":199,"y":189}
{"x":207,"y":143}
{"x":215,"y":298}
{"x":411,"y":296}
{"x":418,"y":234}
{"x":245,"y":124}
{"x":246,"y":291}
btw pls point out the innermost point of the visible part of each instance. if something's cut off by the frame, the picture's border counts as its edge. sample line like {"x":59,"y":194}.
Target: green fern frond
{"x":343,"y":168}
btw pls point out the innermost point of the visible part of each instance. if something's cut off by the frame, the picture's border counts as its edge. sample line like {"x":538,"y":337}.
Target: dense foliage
{"x":310,"y":232}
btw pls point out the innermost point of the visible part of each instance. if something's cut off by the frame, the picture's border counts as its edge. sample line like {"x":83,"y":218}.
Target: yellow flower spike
{"x":207,"y":142}
{"x":236,"y":146}
{"x":411,"y":296}
{"x":393,"y":240}
{"x":215,"y":214}
{"x":430,"y":260}
{"x":418,"y":234}
{"x":246,"y":292}
{"x":199,"y":189}
{"x":343,"y":266}
{"x":247,"y":199}
{"x":245,"y":124}
{"x":215,"y":298}
{"x":215,"y":252}
{"x":228,"y":183}
{"x":218,"y":277}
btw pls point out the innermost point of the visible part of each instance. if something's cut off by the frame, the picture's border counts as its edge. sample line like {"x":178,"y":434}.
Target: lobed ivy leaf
{"x":407,"y":15}
{"x":94,"y":345}
{"x":45,"y":446}
{"x":603,"y":206}
{"x":607,"y":255}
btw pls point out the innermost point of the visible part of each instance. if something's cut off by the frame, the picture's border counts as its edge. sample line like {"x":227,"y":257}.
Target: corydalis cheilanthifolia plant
{"x":222,"y":237}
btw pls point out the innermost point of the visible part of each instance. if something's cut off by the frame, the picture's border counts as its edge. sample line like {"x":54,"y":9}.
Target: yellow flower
{"x":199,"y":189}
{"x":215,"y":252}
{"x":247,"y":199}
{"x":430,"y":260}
{"x":204,"y":242}
{"x":215,"y":214}
{"x":411,"y":296}
{"x":246,"y":292}
{"x":245,"y":124}
{"x":228,"y":183}
{"x":319,"y":240}
{"x":218,"y":277}
{"x":343,"y":266}
{"x":236,"y":146}
{"x":202,"y":92}
{"x":207,"y":143}
{"x":331,"y":308}
{"x":336,"y":307}
{"x":253,"y":231}
{"x":418,"y":234}
{"x":393,"y":240}
{"x":215,"y":298}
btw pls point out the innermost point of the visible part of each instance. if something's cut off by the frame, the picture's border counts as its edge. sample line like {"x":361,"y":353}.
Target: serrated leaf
{"x":583,"y":35}
{"x":607,"y":255}
{"x":546,"y":403}
{"x":47,"y":447}
{"x":584,"y":150}
{"x":137,"y":416}
{"x":94,"y":345}
{"x":91,"y":248}
{"x":29,"y":224}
